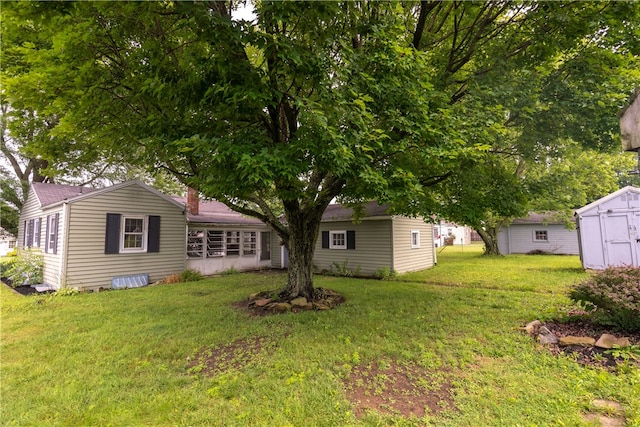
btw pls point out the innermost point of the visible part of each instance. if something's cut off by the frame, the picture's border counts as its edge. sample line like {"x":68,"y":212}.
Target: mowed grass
{"x":122,"y":358}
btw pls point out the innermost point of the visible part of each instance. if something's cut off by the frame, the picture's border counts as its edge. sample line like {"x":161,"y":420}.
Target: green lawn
{"x":123,"y":358}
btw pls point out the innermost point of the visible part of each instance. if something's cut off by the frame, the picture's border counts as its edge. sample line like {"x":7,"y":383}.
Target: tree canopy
{"x":396,"y":101}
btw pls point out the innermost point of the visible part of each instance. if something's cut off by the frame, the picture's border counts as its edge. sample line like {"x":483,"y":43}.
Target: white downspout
{"x":62,"y":273}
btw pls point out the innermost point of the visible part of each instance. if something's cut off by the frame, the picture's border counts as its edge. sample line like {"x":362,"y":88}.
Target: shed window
{"x":339,"y":239}
{"x":415,"y":239}
{"x":540,"y":236}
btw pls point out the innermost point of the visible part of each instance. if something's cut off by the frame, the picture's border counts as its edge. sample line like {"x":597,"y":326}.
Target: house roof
{"x":540,"y":218}
{"x":627,"y":189}
{"x":214,"y":212}
{"x":337,"y":212}
{"x":49,"y":194}
{"x":53,"y":194}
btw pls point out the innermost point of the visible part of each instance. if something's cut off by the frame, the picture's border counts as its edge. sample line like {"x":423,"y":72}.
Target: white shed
{"x":609,"y":230}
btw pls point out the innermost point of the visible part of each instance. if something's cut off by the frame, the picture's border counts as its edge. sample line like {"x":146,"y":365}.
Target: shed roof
{"x":540,"y":218}
{"x":627,"y":189}
{"x":214,"y":212}
{"x":337,"y":212}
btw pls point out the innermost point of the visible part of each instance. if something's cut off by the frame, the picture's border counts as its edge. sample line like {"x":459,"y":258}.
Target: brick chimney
{"x":193,"y":202}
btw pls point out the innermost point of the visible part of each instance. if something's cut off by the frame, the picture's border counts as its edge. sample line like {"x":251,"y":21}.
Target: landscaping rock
{"x":280,"y":307}
{"x":299,"y":302}
{"x":579,"y":341}
{"x":608,"y":341}
{"x":531,"y":327}
{"x":262,"y":302}
{"x":546,"y":337}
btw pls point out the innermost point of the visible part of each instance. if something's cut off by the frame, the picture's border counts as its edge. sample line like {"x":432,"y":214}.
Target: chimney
{"x":193,"y":202}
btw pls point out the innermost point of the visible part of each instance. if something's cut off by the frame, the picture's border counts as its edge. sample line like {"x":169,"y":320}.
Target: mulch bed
{"x":589,"y":356}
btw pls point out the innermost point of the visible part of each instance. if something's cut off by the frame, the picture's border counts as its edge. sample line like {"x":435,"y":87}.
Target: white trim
{"x":606,"y":198}
{"x":535,"y":236}
{"x":415,"y":243}
{"x":144,"y":233}
{"x":333,"y":233}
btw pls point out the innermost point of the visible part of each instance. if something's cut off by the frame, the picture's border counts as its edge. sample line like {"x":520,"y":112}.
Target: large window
{"x":248,"y":243}
{"x":233,"y":243}
{"x":134,"y":230}
{"x":215,"y":243}
{"x":195,"y":243}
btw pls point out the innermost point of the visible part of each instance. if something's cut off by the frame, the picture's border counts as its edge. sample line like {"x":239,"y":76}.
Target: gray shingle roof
{"x":214,"y":212}
{"x":338,"y":212}
{"x":540,"y":218}
{"x":49,"y":194}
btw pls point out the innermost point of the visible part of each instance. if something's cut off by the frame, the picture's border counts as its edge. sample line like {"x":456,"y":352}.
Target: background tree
{"x":313,"y":101}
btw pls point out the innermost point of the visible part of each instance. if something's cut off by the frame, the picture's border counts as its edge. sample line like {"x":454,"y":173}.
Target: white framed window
{"x":51,"y":237}
{"x":338,"y":239}
{"x":133,"y":234}
{"x":540,"y":236}
{"x":415,"y":239}
{"x":215,"y":243}
{"x":37,"y":225}
{"x":233,"y":243}
{"x":248,"y":243}
{"x":195,"y":243}
{"x":12,"y":244}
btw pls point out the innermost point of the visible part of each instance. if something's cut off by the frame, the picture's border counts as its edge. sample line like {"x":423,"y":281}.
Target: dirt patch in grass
{"x":235,"y":356}
{"x":394,"y":388}
{"x":387,"y":387}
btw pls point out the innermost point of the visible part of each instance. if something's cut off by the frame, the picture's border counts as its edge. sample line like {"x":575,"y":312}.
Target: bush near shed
{"x":614,"y":295}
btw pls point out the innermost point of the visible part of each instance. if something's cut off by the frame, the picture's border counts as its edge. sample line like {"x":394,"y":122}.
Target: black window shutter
{"x":112,"y":235}
{"x":55,"y":231}
{"x":153,"y":234}
{"x":26,"y":234}
{"x":39,"y":233}
{"x":325,"y":240}
{"x":46,"y":235}
{"x":351,"y":239}
{"x":30,"y":234}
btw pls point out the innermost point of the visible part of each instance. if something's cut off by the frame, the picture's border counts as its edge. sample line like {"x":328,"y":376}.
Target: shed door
{"x":621,"y":234}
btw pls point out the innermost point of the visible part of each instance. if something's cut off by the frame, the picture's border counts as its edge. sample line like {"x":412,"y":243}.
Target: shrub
{"x":5,"y":266}
{"x":230,"y":271}
{"x":172,"y":278}
{"x":190,"y":275}
{"x":385,"y":273}
{"x":614,"y":294}
{"x":13,"y":252}
{"x":26,"y":269}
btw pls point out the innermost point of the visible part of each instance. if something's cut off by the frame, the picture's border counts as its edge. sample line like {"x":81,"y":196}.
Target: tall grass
{"x":123,"y":357}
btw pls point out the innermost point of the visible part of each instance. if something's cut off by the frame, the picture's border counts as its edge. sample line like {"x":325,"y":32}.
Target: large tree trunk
{"x":490,"y":239}
{"x":304,"y":226}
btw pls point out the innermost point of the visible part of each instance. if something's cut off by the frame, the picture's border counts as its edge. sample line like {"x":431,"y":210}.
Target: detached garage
{"x":609,"y":230}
